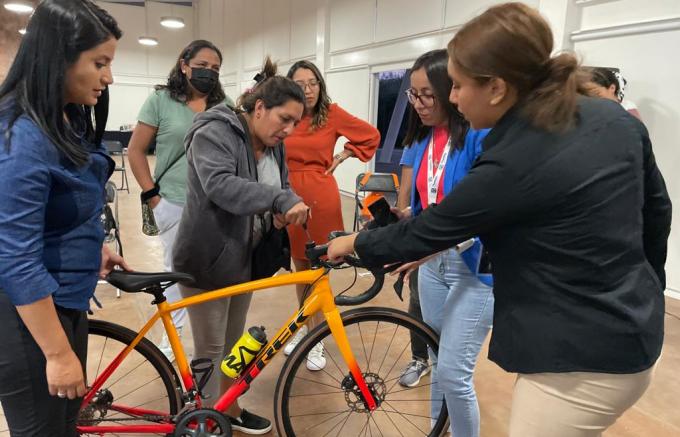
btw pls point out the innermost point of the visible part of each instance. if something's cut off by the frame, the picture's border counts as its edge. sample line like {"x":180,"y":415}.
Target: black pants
{"x":29,"y":409}
{"x":418,"y":346}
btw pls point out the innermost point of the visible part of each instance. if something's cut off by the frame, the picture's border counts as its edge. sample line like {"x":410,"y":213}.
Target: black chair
{"x":110,"y":222}
{"x":115,"y":148}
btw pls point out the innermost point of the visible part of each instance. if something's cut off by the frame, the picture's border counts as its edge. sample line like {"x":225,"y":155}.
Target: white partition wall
{"x":353,"y":39}
{"x":642,"y":42}
{"x":136,"y":68}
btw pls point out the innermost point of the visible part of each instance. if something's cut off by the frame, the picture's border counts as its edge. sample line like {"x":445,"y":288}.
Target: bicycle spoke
{"x":389,"y":346}
{"x":363,"y":346}
{"x":331,"y":430}
{"x":120,"y":378}
{"x":392,"y":421}
{"x":342,"y":376}
{"x":106,"y":339}
{"x":376,"y":425}
{"x":324,"y":421}
{"x":343,"y":424}
{"x":316,"y":382}
{"x":409,"y":388}
{"x":406,"y":418}
{"x":370,"y":354}
{"x":395,"y":363}
{"x":118,"y":398}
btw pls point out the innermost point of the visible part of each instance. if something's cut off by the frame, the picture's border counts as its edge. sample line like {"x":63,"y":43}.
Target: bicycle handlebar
{"x":314,"y":254}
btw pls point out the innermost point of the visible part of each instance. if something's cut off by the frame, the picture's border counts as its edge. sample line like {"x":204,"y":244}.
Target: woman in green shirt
{"x":193,"y":86}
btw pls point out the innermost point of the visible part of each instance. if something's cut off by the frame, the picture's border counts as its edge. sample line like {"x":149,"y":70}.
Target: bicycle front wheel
{"x":327,"y":403}
{"x":143,"y":390}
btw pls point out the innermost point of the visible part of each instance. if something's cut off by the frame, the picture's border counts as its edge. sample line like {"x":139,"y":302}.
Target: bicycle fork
{"x":338,"y":330}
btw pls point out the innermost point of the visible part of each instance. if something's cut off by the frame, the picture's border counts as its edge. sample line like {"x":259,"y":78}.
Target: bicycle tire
{"x":159,"y":363}
{"x":283,"y":393}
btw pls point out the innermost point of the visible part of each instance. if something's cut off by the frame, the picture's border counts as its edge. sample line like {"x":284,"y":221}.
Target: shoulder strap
{"x":174,"y":161}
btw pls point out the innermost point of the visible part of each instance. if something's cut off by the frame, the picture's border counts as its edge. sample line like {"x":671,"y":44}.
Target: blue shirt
{"x":50,"y":229}
{"x":457,"y":167}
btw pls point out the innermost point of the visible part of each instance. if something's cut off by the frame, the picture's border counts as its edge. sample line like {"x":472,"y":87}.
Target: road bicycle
{"x":139,"y":391}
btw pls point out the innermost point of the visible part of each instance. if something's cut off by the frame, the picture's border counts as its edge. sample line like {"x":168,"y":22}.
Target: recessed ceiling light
{"x":19,"y":7}
{"x":147,"y":41}
{"x":172,"y":22}
{"x":22,"y":31}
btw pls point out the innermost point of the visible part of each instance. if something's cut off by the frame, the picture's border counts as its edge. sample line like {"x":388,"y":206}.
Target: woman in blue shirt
{"x":455,"y":288}
{"x":52,"y":175}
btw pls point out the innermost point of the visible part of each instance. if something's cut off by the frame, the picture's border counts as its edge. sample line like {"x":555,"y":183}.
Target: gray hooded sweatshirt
{"x":214,"y":238}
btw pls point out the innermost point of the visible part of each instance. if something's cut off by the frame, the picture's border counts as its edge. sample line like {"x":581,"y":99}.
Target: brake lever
{"x":399,"y":286}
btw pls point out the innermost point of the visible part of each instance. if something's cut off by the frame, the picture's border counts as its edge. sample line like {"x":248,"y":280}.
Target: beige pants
{"x":576,"y":404}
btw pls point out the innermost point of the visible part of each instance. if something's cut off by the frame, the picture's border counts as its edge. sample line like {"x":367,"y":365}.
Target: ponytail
{"x":272,"y":89}
{"x":551,"y":103}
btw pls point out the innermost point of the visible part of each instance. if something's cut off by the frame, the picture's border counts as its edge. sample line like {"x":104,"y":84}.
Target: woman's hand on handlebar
{"x":297,"y":215}
{"x":339,"y":247}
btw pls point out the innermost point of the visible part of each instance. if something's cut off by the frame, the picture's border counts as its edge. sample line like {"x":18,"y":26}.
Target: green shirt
{"x":173,"y":120}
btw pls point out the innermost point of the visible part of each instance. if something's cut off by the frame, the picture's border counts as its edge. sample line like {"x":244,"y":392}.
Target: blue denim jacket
{"x":457,"y":166}
{"x":50,"y":229}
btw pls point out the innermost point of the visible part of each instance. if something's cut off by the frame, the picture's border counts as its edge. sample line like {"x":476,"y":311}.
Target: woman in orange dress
{"x":311,"y":163}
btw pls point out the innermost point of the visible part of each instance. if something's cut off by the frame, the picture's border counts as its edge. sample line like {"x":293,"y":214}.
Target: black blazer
{"x":576,"y":225}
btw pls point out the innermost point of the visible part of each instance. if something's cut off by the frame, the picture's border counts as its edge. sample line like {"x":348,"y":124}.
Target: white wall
{"x":136,"y":68}
{"x":353,"y":39}
{"x":642,"y":41}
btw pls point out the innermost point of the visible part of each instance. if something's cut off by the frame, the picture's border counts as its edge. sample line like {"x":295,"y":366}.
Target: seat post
{"x":158,"y":295}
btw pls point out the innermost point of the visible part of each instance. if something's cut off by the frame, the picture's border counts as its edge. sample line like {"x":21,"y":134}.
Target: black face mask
{"x":204,"y":79}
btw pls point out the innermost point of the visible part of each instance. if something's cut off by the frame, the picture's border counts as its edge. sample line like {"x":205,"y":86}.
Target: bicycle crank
{"x":202,"y":422}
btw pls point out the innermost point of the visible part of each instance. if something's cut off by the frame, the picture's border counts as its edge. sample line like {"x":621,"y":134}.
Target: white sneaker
{"x":297,"y":338}
{"x":315,"y":357}
{"x":165,"y":345}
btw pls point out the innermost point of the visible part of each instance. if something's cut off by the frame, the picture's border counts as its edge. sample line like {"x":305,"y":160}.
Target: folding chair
{"x":110,"y":222}
{"x":373,"y":186}
{"x":115,"y":148}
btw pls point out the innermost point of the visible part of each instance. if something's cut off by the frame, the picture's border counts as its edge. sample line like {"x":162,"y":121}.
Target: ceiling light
{"x":20,"y":7}
{"x":147,"y":41}
{"x":22,"y":31}
{"x":172,"y":22}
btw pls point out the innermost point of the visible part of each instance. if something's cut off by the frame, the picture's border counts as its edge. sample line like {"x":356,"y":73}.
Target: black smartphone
{"x":381,"y":212}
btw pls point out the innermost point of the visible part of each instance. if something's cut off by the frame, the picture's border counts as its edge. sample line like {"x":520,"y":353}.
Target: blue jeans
{"x":460,"y":308}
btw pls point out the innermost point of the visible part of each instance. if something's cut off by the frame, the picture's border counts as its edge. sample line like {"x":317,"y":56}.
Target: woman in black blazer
{"x":567,"y":198}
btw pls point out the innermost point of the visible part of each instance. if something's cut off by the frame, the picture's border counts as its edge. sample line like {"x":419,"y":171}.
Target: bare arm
{"x":64,"y":370}
{"x":137,"y":149}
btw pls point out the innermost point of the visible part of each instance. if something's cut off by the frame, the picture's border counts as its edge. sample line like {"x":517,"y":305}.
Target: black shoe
{"x":250,"y":423}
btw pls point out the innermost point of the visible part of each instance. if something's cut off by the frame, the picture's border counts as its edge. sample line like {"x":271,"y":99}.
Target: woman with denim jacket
{"x":455,"y":297}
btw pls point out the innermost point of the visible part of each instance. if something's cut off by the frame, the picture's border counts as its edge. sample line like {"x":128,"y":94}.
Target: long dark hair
{"x":272,"y":89}
{"x":58,"y":32}
{"x":435,"y":62}
{"x":514,"y":42}
{"x":320,"y":110}
{"x":178,"y":84}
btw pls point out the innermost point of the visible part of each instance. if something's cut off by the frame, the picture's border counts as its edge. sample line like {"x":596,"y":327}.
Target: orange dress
{"x":309,"y":154}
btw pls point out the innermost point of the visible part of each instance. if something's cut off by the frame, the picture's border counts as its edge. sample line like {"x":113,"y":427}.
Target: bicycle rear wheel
{"x":327,"y":403}
{"x":145,"y":380}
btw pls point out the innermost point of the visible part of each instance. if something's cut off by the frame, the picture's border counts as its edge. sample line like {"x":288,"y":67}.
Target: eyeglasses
{"x":427,"y":100}
{"x":311,"y":84}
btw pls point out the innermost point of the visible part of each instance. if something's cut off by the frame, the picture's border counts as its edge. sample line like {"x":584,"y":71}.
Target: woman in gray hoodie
{"x":236,"y":171}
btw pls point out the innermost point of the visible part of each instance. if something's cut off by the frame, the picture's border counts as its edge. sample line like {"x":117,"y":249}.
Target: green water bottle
{"x":243,"y":352}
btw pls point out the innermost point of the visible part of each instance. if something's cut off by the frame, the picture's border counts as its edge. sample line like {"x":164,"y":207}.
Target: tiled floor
{"x":655,"y":415}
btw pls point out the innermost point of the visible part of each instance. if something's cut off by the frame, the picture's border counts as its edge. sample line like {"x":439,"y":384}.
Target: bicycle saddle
{"x":134,"y":282}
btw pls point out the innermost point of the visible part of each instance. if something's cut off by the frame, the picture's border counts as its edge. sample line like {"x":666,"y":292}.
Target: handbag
{"x":272,"y":253}
{"x":149,"y":226}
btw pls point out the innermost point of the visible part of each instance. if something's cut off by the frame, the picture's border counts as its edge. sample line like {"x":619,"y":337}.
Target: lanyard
{"x":433,"y":179}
